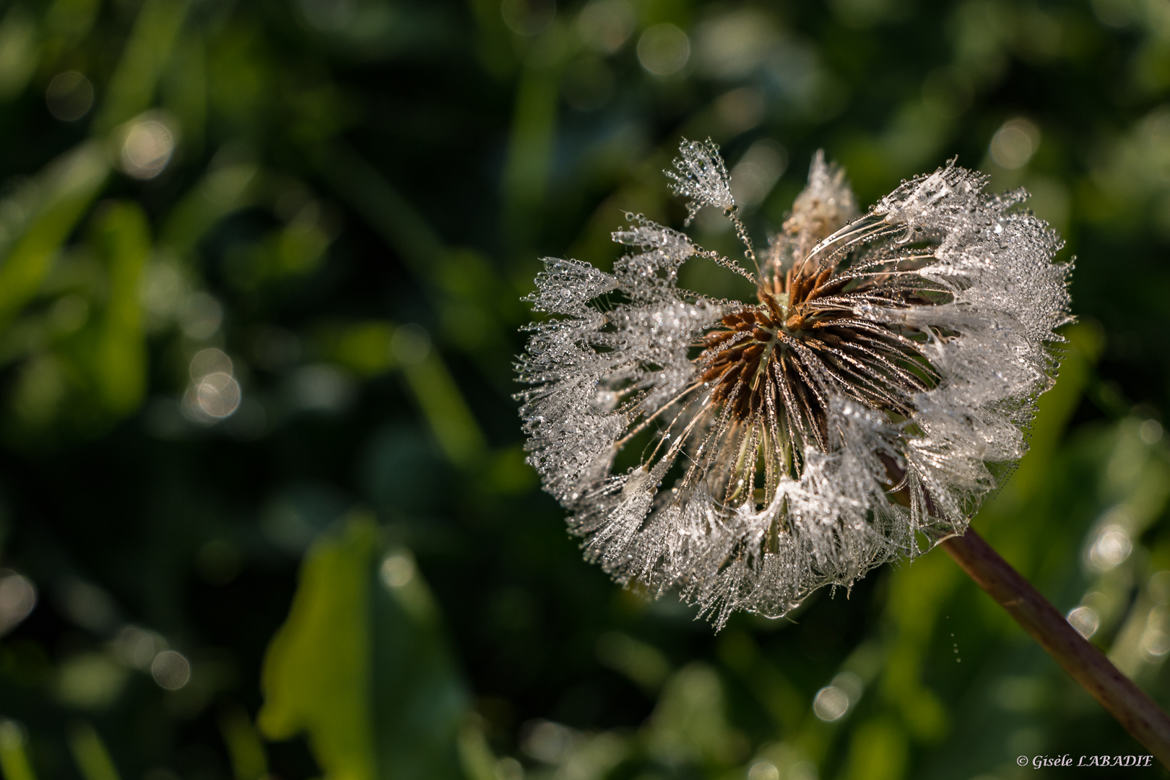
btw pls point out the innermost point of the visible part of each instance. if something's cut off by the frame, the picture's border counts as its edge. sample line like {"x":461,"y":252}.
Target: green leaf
{"x":14,"y":763}
{"x":122,"y":240}
{"x":56,"y":200}
{"x":90,"y":753}
{"x":361,"y":665}
{"x":877,"y":751}
{"x":18,"y":52}
{"x":149,"y":47}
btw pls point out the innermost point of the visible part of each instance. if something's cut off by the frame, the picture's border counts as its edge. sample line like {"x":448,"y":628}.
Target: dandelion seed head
{"x":854,"y":406}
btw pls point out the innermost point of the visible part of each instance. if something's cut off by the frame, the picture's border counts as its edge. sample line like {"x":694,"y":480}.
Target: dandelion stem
{"x":1132,"y":708}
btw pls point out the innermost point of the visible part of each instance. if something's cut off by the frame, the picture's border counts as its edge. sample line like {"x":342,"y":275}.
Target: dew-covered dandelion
{"x":857,"y":407}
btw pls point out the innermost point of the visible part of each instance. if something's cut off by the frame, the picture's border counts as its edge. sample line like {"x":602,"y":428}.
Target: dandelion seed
{"x":700,"y":176}
{"x":856,"y":408}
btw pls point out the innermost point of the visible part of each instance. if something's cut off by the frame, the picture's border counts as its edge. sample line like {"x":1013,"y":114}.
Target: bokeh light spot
{"x":1085,"y":620}
{"x":831,"y":703}
{"x":136,"y":646}
{"x":756,"y":173}
{"x":397,"y":569}
{"x":547,"y":741}
{"x":320,"y":387}
{"x":18,"y":597}
{"x":763,"y":770}
{"x":1014,"y":143}
{"x":1150,"y":431}
{"x":410,"y":344}
{"x":604,"y":25}
{"x":201,"y":316}
{"x":69,"y":96}
{"x":209,"y":361}
{"x":146,"y":148}
{"x":663,"y":49}
{"x":528,"y":17}
{"x":1155,"y":640}
{"x":86,"y":604}
{"x":171,"y":670}
{"x":218,"y":395}
{"x":1110,"y":547}
{"x":740,"y":109}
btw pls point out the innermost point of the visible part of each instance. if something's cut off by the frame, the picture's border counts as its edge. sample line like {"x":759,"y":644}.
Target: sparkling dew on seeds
{"x":858,"y":408}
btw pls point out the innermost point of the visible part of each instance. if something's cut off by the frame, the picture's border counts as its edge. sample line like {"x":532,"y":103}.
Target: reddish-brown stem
{"x":1132,"y":708}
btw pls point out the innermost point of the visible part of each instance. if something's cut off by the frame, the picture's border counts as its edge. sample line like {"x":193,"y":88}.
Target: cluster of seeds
{"x":856,"y":406}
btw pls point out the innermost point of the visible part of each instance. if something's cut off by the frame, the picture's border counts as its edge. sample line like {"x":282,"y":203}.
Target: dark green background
{"x":355,"y":575}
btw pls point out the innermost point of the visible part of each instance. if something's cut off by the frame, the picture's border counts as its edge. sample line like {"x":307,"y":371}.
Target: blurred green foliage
{"x":263,"y":504}
{"x":362,"y":667}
